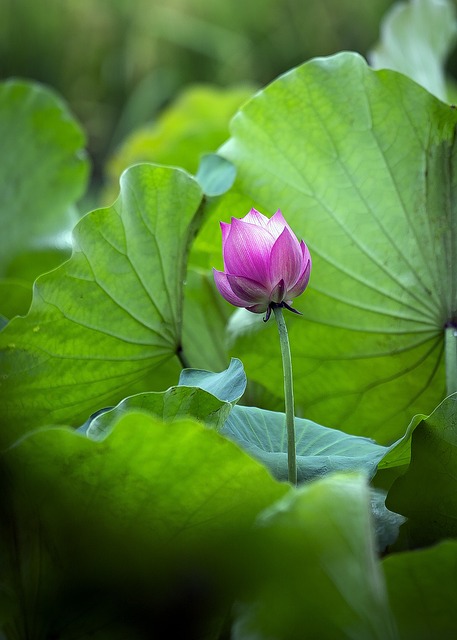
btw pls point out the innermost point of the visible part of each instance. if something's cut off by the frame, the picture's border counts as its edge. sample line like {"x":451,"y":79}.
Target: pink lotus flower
{"x":264,"y":263}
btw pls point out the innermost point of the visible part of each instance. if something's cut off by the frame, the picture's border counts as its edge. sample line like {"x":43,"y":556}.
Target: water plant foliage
{"x":142,"y":446}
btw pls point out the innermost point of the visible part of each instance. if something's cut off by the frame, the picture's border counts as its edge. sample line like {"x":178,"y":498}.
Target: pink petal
{"x":286,"y":259}
{"x":301,"y":283}
{"x":277,"y":223}
{"x":247,"y":251}
{"x":303,"y":279}
{"x":225,"y":228}
{"x":255,"y":217}
{"x":258,"y":308}
{"x":247,"y":289}
{"x":226,"y":291}
{"x":277,"y":295}
{"x":305,"y":253}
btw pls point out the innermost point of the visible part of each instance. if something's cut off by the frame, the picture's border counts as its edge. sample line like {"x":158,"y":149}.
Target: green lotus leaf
{"x":319,"y":577}
{"x":422,"y":588}
{"x":227,"y":386}
{"x":103,"y":320}
{"x":118,"y":534}
{"x":169,"y":405}
{"x":427,"y":493}
{"x":362,"y":165}
{"x":205,"y":316}
{"x":43,"y":172}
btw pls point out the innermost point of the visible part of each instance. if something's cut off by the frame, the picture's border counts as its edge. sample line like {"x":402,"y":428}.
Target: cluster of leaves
{"x":140,"y":498}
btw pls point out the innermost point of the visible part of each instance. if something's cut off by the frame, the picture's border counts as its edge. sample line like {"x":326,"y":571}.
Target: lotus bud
{"x":265,"y":266}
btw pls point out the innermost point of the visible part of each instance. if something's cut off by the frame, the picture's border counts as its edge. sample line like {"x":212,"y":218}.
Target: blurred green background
{"x":119,"y":62}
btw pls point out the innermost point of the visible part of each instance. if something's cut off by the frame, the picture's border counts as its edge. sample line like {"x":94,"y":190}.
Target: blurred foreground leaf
{"x":146,"y":531}
{"x":319,"y":577}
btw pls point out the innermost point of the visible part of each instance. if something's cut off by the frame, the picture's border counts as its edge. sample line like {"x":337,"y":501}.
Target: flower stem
{"x":450,"y":350}
{"x":288,"y":395}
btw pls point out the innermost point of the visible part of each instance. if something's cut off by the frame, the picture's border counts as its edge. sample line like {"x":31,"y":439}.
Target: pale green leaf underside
{"x":361,"y":163}
{"x":416,"y":38}
{"x":111,"y":313}
{"x":215,"y":174}
{"x":227,"y":386}
{"x":320,"y":450}
{"x":43,"y":169}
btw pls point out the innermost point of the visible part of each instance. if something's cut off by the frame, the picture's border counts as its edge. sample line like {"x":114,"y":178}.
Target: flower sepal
{"x":277,"y":305}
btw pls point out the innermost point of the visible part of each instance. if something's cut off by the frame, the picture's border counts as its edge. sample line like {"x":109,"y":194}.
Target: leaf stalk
{"x":288,"y":394}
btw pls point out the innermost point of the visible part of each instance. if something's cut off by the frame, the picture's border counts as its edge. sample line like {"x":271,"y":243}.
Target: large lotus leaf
{"x":103,"y":320}
{"x":42,"y":173}
{"x":319,"y":577}
{"x":416,"y":38}
{"x":427,"y":493}
{"x":422,"y":588}
{"x":361,"y":163}
{"x":147,"y":529}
